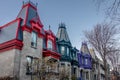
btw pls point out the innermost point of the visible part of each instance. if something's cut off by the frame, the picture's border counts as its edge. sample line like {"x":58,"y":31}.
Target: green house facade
{"x":68,"y":60}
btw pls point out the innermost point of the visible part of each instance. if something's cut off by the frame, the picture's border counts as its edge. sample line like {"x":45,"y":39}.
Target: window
{"x":29,"y":65}
{"x":62,"y":64}
{"x":62,"y":49}
{"x":86,"y":61}
{"x":87,"y":76}
{"x":82,"y":58}
{"x":32,"y":65}
{"x":74,"y":70}
{"x":34,"y":39}
{"x":67,"y":51}
{"x":68,"y":64}
{"x":50,"y":44}
{"x":74,"y":56}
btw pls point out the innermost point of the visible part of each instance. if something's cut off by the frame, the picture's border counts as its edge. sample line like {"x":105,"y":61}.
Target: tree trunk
{"x":98,"y":70}
{"x":105,"y":67}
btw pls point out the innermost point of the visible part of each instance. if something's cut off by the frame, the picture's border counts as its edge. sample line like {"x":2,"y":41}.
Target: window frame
{"x":50,"y":44}
{"x":68,"y":51}
{"x":34,"y":42}
{"x":32,"y":65}
{"x":62,"y":50}
{"x":86,"y":61}
{"x":29,"y":65}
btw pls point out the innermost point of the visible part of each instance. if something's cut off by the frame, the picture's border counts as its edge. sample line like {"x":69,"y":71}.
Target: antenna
{"x":36,"y":4}
{"x":49,"y":27}
{"x":23,"y":2}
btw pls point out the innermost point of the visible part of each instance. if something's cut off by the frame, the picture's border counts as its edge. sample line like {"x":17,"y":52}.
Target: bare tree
{"x":64,"y":73}
{"x":102,"y":38}
{"x":112,"y":8}
{"x":114,"y":59}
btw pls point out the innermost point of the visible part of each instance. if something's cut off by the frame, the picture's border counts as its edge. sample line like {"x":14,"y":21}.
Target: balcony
{"x":51,"y":54}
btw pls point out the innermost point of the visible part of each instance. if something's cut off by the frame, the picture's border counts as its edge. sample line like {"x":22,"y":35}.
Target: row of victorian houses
{"x":28,"y":52}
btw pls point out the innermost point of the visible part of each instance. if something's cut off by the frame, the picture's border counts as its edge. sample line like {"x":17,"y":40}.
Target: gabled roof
{"x":29,"y":13}
{"x":49,"y":32}
{"x":84,"y":48}
{"x":92,"y":53}
{"x":10,"y":31}
{"x":62,"y":33}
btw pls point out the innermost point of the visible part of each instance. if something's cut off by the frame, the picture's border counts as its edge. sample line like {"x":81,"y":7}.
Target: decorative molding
{"x":53,"y":54}
{"x":12,"y":44}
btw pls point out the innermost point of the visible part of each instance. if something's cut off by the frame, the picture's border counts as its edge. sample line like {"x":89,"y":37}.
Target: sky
{"x":78,"y":15}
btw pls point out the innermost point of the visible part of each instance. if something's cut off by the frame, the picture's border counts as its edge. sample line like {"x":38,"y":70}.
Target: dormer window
{"x":50,"y":45}
{"x":34,"y":39}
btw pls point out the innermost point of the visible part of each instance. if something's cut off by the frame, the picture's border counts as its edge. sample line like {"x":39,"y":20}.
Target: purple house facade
{"x":85,"y":63}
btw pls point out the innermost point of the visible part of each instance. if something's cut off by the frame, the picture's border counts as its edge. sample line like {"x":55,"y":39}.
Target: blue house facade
{"x":85,"y":63}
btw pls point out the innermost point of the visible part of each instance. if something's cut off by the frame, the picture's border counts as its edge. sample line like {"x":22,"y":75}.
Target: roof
{"x":27,"y":16}
{"x":62,"y":33}
{"x":28,"y":13}
{"x":50,"y":32}
{"x":10,"y":31}
{"x":92,"y":53}
{"x":84,"y":48}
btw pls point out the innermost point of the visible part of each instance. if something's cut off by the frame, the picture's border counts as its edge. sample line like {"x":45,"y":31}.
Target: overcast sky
{"x":78,"y":15}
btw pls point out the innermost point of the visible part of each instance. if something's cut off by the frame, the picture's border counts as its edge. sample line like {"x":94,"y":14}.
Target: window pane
{"x":34,"y":39}
{"x":50,"y":44}
{"x":29,"y":65}
{"x":62,"y":49}
{"x":67,"y":51}
{"x":86,"y":61}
